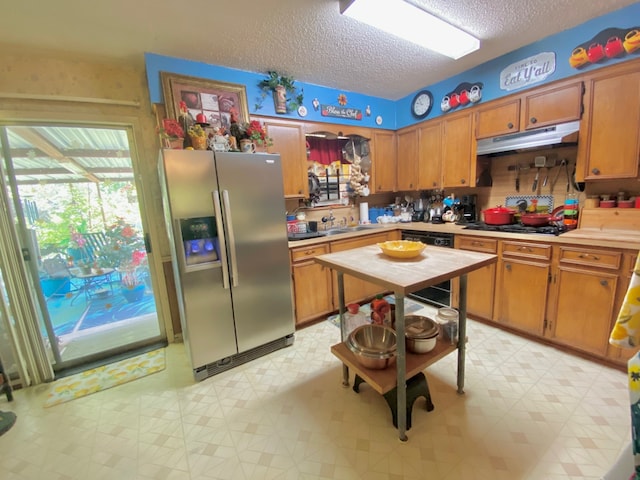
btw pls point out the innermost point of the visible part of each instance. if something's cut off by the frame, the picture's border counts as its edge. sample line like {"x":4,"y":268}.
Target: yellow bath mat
{"x":106,"y":376}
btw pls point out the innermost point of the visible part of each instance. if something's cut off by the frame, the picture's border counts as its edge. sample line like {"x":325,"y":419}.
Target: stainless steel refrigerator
{"x":225,"y":216}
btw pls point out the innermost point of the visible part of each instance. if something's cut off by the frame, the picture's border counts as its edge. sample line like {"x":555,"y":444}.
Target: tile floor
{"x":529,"y":412}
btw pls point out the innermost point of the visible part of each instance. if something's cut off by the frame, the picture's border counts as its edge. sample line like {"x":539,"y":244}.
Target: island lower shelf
{"x":383,"y":381}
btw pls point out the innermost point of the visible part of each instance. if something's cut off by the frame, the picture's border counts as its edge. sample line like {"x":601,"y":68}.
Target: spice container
{"x":448,"y":318}
{"x":592,"y":201}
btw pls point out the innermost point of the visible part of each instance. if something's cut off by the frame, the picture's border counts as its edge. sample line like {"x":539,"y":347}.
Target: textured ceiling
{"x":307,"y":39}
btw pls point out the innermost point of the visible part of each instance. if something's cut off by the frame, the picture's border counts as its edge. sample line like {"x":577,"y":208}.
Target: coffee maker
{"x":469,"y":212}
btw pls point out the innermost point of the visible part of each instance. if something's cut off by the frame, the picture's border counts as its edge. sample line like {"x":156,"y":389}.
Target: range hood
{"x":541,"y":137}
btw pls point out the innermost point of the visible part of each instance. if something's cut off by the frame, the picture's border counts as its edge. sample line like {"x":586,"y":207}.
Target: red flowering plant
{"x":171,"y":129}
{"x":256,"y":132}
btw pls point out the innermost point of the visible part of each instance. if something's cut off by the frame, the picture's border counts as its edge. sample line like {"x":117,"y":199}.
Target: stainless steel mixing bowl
{"x":374,"y":346}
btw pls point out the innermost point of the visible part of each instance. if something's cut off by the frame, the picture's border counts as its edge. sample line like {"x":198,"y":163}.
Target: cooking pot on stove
{"x":498,"y":215}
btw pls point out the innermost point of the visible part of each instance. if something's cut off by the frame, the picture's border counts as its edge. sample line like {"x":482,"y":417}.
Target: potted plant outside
{"x":285,"y":94}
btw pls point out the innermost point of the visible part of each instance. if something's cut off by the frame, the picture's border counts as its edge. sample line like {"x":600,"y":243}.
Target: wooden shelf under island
{"x":383,"y":381}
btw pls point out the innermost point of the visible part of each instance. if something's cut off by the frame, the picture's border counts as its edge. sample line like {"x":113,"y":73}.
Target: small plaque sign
{"x":528,"y":71}
{"x":341,"y":112}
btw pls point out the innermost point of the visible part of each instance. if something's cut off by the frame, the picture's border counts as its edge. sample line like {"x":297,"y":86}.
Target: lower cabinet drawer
{"x":532,"y":251}
{"x":477,"y":244}
{"x":590,"y":257}
{"x":306,"y":253}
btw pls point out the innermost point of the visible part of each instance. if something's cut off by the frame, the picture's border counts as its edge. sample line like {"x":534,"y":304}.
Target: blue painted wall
{"x":397,"y":114}
{"x":329,"y":96}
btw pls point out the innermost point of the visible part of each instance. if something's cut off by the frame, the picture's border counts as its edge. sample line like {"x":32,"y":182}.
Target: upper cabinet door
{"x":498,"y":119}
{"x":289,"y":142}
{"x":430,"y":155}
{"x":609,"y":145}
{"x":407,"y":178}
{"x":549,"y":106}
{"x":458,"y":151}
{"x":383,"y":156}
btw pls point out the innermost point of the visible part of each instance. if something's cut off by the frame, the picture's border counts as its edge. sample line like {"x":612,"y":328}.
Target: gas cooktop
{"x":515,"y":228}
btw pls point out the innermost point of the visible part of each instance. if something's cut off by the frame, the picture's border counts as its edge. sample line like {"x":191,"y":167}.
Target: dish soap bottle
{"x":353,"y":317}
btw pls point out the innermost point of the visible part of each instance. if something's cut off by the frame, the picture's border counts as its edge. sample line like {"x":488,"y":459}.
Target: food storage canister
{"x":448,"y":318}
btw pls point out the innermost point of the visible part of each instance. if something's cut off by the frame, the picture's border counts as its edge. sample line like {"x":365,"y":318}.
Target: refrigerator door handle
{"x":221,"y":240}
{"x":232,"y":240}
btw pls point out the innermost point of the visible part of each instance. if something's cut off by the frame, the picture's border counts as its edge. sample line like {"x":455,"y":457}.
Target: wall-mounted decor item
{"x":464,"y":94}
{"x":286,"y":97}
{"x":528,"y":71}
{"x":609,"y":43}
{"x":421,"y":104}
{"x":341,"y":112}
{"x":213,"y":99}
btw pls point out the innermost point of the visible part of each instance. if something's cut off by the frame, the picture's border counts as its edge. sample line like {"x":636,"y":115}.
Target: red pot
{"x":498,"y":216}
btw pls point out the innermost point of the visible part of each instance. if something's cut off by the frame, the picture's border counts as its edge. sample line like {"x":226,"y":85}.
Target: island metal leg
{"x":462,"y":332}
{"x":343,"y":325}
{"x":401,"y":368}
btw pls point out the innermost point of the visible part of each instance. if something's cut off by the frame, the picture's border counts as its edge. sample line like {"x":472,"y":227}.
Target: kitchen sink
{"x":357,"y":228}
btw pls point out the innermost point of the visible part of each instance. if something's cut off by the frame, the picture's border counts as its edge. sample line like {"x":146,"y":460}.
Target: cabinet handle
{"x":435,"y":184}
{"x":309,"y":252}
{"x":604,"y":283}
{"x":587,"y":255}
{"x":508,"y":267}
{"x":525,"y":249}
{"x":595,"y":171}
{"x":534,"y":119}
{"x":476,"y":243}
{"x":462,"y":181}
{"x":509,"y":125}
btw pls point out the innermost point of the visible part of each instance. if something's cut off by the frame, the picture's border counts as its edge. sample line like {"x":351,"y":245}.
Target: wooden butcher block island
{"x":403,"y":276}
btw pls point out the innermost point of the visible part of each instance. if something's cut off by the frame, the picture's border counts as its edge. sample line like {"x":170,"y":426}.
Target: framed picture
{"x":212,"y":98}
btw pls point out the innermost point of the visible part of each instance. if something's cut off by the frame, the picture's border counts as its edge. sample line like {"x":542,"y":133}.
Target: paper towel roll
{"x":364,"y":212}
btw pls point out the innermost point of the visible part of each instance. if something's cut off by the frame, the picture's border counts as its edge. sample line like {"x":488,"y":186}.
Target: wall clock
{"x":421,"y":104}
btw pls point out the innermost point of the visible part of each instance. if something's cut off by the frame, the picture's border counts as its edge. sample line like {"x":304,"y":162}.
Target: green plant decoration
{"x":275,"y":81}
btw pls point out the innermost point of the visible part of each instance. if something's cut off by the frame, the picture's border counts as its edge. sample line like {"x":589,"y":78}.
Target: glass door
{"x":77,"y":213}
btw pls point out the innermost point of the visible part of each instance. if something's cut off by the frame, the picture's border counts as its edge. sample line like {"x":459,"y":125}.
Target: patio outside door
{"x":76,"y":206}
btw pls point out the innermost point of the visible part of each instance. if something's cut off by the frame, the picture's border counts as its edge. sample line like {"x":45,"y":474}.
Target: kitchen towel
{"x":364,"y":212}
{"x":626,"y":334}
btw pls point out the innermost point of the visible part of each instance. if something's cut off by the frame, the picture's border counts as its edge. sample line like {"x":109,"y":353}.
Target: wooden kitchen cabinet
{"x":429,"y":155}
{"x":355,"y":289}
{"x":498,"y":118}
{"x":312,"y":288}
{"x":289,"y":141}
{"x":522,"y":284}
{"x":458,"y":151}
{"x":407,"y":159}
{"x":383,"y":157}
{"x":609,"y":145}
{"x":557,"y":103}
{"x":583,"y":310}
{"x":481,"y":282}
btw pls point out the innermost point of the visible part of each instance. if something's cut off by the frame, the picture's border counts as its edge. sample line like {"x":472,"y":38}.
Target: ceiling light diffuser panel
{"x":411,"y":23}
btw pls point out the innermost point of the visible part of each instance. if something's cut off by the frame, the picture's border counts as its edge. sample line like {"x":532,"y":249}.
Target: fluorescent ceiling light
{"x":411,"y":23}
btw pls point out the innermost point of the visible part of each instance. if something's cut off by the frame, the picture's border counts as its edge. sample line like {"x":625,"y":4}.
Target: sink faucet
{"x":330,"y":219}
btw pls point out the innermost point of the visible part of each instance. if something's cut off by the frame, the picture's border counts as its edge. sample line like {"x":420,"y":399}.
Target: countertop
{"x":588,"y":237}
{"x":405,"y":275}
